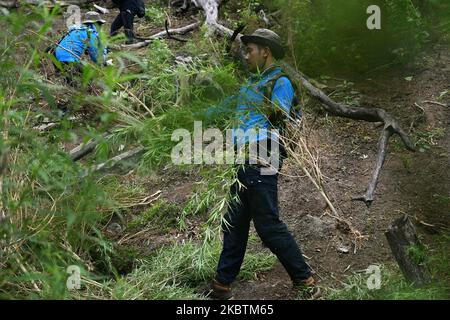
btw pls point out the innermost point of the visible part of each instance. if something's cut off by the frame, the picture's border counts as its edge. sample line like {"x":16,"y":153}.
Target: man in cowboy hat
{"x":256,"y":192}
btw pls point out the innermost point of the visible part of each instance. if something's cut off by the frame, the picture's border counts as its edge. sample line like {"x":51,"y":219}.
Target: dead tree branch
{"x":84,"y":149}
{"x":47,"y":125}
{"x":101,"y":9}
{"x":211,"y":9}
{"x":111,"y":163}
{"x":161,"y":35}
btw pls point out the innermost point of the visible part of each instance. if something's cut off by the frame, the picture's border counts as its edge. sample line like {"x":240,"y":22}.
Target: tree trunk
{"x":402,"y":239}
{"x":84,"y":149}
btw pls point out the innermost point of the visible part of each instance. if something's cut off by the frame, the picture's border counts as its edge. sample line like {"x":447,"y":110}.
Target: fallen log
{"x":111,"y":163}
{"x":161,"y":35}
{"x":84,"y":149}
{"x":404,"y":243}
{"x":169,"y":36}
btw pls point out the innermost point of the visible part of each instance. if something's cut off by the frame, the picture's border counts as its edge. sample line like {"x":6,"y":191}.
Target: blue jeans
{"x":258,"y":200}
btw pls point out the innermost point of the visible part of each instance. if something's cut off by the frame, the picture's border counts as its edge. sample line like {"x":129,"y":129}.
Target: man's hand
{"x":109,"y":62}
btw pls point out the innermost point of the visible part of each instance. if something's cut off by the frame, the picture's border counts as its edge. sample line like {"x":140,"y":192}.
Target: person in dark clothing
{"x":125,"y":18}
{"x":255,"y":196}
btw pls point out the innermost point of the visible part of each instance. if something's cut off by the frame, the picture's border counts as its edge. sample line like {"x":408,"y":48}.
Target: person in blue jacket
{"x":79,"y":40}
{"x":261,"y":105}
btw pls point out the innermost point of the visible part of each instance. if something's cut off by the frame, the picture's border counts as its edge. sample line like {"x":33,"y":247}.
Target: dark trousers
{"x":124,"y":19}
{"x":258,"y":200}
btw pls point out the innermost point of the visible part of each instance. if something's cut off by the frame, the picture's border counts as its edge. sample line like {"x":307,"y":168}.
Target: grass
{"x":393,"y":285}
{"x":393,"y":288}
{"x":161,"y":215}
{"x":426,"y":139}
{"x":178,"y":272}
{"x":155,"y":15}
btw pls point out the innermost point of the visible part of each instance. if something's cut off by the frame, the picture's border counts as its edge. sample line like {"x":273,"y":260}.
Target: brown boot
{"x":219,"y":291}
{"x":307,"y":289}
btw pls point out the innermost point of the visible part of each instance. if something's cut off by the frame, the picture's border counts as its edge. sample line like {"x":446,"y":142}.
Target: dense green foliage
{"x":53,"y":214}
{"x":331,"y":37}
{"x":394,"y":286}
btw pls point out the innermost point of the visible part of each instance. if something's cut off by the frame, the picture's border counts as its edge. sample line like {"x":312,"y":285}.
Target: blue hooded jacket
{"x":79,"y":39}
{"x":250,"y":105}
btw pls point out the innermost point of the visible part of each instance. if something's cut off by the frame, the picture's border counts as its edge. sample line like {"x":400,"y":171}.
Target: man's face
{"x":256,"y":57}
